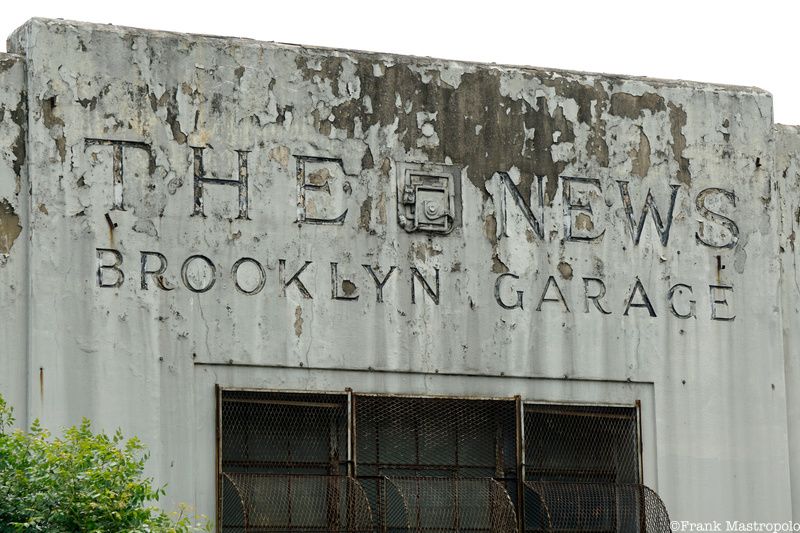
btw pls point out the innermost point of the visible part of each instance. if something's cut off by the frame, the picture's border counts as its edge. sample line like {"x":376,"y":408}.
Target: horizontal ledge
{"x":414,"y":372}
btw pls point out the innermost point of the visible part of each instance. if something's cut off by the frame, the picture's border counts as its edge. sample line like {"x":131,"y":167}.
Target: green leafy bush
{"x":81,"y":482}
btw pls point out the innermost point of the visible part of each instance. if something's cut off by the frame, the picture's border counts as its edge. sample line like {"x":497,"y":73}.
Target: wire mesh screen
{"x":284,"y":433}
{"x":581,"y":444}
{"x":435,"y":504}
{"x":598,"y":507}
{"x":427,"y":437}
{"x":405,"y":436}
{"x":276,"y":433}
{"x":361,"y":462}
{"x":279,"y":502}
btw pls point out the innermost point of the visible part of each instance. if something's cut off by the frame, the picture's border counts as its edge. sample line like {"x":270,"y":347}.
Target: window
{"x":437,"y":463}
{"x":283,"y":461}
{"x":365,"y":462}
{"x":581,"y":444}
{"x":578,"y":459}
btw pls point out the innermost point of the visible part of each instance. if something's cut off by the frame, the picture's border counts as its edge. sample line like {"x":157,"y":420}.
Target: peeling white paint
{"x":14,"y":235}
{"x":321,"y":134}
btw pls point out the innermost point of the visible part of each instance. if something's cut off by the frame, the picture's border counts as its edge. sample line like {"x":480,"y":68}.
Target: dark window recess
{"x":582,"y":468}
{"x":437,"y":463}
{"x":361,"y":463}
{"x":284,"y":433}
{"x":284,"y":464}
{"x":581,"y":444}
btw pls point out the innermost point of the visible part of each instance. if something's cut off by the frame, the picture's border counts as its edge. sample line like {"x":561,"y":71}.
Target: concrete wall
{"x":787,"y":173}
{"x":13,"y":236}
{"x":649,"y":270}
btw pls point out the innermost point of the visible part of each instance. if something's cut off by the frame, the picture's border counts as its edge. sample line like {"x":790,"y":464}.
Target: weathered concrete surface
{"x":787,"y":172}
{"x":13,"y":235}
{"x":617,"y":305}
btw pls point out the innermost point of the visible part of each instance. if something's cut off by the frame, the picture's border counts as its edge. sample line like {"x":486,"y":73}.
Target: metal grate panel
{"x":600,"y":507}
{"x":296,"y":461}
{"x":435,"y":504}
{"x":278,"y":503}
{"x":428,"y":436}
{"x":284,"y":433}
{"x":581,"y":443}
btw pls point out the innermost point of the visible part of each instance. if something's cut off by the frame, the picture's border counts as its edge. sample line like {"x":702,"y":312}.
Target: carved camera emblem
{"x":430,"y":197}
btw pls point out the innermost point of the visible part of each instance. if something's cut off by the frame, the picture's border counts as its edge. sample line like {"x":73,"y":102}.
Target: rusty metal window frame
{"x":426,"y":397}
{"x":607,"y":494}
{"x":271,"y":470}
{"x":450,"y":424}
{"x":516,"y":404}
{"x":589,"y":411}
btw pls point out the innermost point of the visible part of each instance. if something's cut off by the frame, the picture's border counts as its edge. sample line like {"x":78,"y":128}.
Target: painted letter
{"x":515,"y":305}
{"x":294,"y":279}
{"x":350,"y":289}
{"x":262,"y":275}
{"x":118,"y":158}
{"x":185,"y":273}
{"x":705,"y":212}
{"x":157,"y":274}
{"x":692,"y":303}
{"x":522,"y":203}
{"x":200,"y":180}
{"x":649,"y":207}
{"x":560,"y":298}
{"x":583,"y":208}
{"x":416,"y":275}
{"x":120,"y":275}
{"x":645,"y":303}
{"x":595,"y":298}
{"x":316,"y":181}
{"x":378,"y":283}
{"x":716,"y":299}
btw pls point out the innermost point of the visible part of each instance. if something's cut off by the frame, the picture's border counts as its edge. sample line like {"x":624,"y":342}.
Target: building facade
{"x":345,"y":290}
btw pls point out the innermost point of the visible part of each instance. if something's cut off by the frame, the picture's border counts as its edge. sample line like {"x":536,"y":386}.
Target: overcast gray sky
{"x":740,"y":43}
